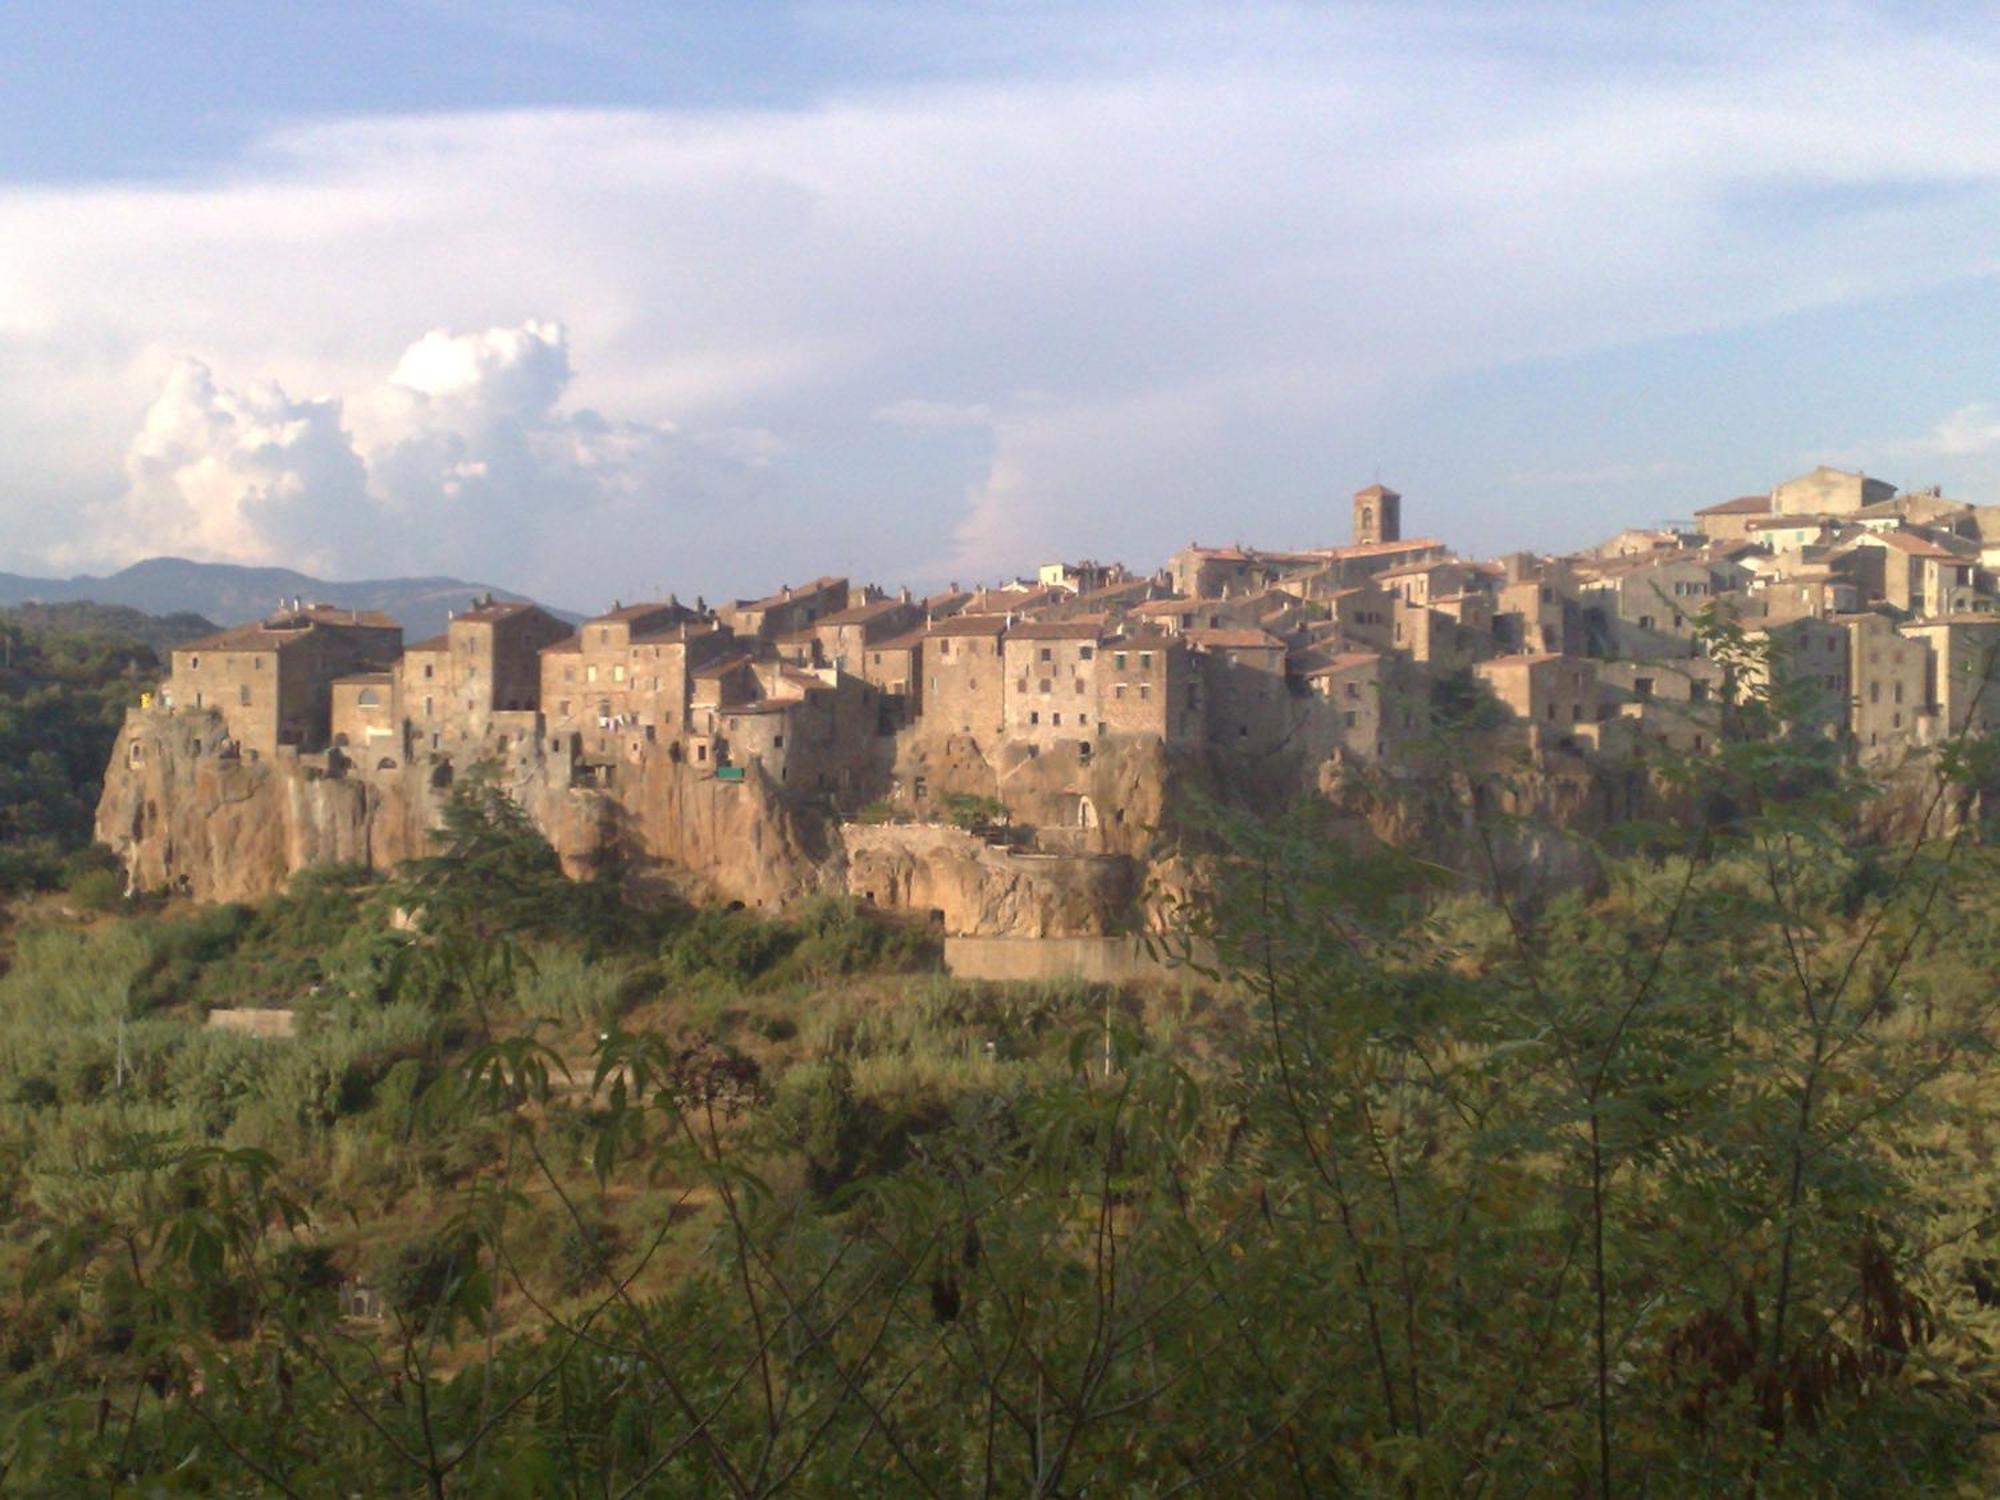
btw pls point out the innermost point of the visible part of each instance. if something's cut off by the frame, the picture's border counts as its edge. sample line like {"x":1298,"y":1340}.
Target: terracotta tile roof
{"x":1081,"y":628}
{"x":1377,"y":492}
{"x":252,"y":637}
{"x":568,"y":646}
{"x":370,"y":679}
{"x":1239,"y":640}
{"x":630,"y":612}
{"x":327,"y":614}
{"x":861,"y":613}
{"x":487,"y":614}
{"x":967,"y":625}
{"x":790,"y":596}
{"x":899,"y":643}
{"x":1344,"y":661}
{"x":1382,"y":549}
{"x":722,"y":666}
{"x":1742,"y":505}
{"x":1913,"y":545}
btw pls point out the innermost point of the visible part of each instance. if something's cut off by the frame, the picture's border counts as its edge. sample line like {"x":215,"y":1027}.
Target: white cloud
{"x":463,"y":458}
{"x":935,"y":416}
{"x":1221,"y":251}
{"x":250,"y":475}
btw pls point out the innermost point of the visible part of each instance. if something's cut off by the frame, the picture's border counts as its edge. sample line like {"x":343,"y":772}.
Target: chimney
{"x":905,"y":595}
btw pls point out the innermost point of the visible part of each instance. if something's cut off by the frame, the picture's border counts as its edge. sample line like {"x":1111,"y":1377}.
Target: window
{"x":1020,"y":684}
{"x":1079,"y":687}
{"x":569,"y":673}
{"x":1046,"y":655}
{"x":194,"y":663}
{"x":1874,"y":692}
{"x":1899,"y":694}
{"x":1645,"y":622}
{"x":1118,"y":660}
{"x":368,"y":698}
{"x":1145,"y":691}
{"x":1083,"y":718}
{"x":1347,"y":719}
{"x":563,"y":708}
{"x":1055,"y":718}
{"x":429,"y":709}
{"x":944,"y":648}
{"x":777,"y":742}
{"x":590,"y":674}
{"x":1145,"y":661}
{"x":1034,"y":716}
{"x":1044,"y":687}
{"x":430,"y":669}
{"x":1118,"y":691}
{"x":1085,"y":653}
{"x":243,"y":695}
{"x":618,"y":673}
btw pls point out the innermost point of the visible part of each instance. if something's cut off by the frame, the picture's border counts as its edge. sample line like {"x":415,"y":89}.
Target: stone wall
{"x":1095,"y":960}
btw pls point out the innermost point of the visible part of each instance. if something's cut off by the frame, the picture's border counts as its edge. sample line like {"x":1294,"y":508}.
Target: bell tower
{"x":1378,"y":515}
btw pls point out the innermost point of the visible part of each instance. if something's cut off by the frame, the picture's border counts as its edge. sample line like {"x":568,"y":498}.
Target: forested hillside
{"x":67,"y":674}
{"x":1680,"y":1183}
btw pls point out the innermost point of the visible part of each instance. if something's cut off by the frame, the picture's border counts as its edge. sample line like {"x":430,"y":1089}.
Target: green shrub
{"x":729,"y":945}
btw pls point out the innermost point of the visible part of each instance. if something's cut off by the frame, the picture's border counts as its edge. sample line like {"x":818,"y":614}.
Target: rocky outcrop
{"x":970,"y":886}
{"x":184,"y":812}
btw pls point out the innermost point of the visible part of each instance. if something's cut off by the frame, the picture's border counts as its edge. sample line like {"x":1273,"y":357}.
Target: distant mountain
{"x":232,"y":594}
{"x":118,"y":621}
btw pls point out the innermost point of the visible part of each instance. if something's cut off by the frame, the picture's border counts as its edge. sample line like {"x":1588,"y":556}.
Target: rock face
{"x":971,"y":887}
{"x":185,"y":813}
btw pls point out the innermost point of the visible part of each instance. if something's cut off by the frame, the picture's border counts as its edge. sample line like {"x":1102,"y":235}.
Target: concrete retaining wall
{"x":1100,"y":960}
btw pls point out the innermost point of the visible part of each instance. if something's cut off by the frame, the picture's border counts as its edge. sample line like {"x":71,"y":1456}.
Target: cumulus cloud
{"x":249,"y":474}
{"x":463,"y":457}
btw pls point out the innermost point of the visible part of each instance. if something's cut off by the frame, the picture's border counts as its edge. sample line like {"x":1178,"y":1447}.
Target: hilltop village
{"x":841,"y":703}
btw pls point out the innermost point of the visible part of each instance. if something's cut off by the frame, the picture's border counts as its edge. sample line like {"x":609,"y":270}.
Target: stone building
{"x":1889,"y":686}
{"x":1557,"y":695}
{"x":1243,"y":689}
{"x":788,"y":610}
{"x":1147,"y":686}
{"x":272,"y":681}
{"x":1349,"y":722}
{"x":490,"y":663}
{"x":624,"y":678}
{"x":1828,"y":492}
{"x":367,"y":724}
{"x":844,"y":636}
{"x":1378,"y":515}
{"x":1051,"y":680}
{"x":1963,"y":679}
{"x":964,"y":688}
{"x":1730,"y":520}
{"x":1920,"y":574}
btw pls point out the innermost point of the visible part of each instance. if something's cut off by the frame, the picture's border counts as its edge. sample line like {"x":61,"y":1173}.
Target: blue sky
{"x":602,"y":300}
